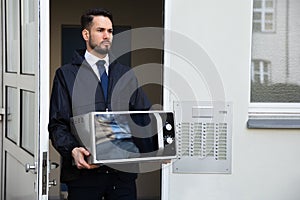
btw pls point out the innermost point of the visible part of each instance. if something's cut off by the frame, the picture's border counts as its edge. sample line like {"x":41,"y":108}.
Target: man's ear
{"x":85,"y":34}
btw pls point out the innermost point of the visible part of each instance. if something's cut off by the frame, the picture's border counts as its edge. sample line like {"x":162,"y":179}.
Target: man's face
{"x":99,"y":36}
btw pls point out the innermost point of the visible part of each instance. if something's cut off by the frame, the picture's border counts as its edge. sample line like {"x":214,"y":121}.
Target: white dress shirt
{"x":92,"y":60}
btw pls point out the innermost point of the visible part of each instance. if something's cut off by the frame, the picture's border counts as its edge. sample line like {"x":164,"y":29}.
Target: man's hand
{"x":79,"y":154}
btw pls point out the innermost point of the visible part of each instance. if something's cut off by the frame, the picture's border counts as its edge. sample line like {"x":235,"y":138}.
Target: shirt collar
{"x":92,"y":59}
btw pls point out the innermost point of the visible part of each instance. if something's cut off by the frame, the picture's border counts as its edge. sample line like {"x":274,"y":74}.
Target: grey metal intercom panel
{"x":203,"y":131}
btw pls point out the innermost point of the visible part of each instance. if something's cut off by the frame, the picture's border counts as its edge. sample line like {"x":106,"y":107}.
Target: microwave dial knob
{"x":169,"y":139}
{"x":169,"y":127}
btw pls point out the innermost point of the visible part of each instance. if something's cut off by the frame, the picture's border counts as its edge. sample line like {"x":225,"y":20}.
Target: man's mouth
{"x":106,"y":43}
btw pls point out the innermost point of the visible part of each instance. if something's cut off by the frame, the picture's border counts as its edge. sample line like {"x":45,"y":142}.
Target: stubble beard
{"x":98,"y":49}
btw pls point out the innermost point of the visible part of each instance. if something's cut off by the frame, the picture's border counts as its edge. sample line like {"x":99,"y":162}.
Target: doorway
{"x":128,"y":14}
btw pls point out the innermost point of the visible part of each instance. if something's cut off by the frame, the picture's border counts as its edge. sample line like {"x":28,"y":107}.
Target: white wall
{"x":265,"y":163}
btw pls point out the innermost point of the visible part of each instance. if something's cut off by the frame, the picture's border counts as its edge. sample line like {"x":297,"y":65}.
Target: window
{"x":263,"y":16}
{"x":275,"y":61}
{"x":260,"y":71}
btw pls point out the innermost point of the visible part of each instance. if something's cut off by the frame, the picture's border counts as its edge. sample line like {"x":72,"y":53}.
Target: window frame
{"x":268,"y":114}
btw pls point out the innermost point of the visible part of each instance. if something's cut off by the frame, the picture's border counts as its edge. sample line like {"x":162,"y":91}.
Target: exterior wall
{"x":265,"y":162}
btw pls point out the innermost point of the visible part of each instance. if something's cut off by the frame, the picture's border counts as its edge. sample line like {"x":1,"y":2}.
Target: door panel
{"x":13,"y":40}
{"x":19,"y":185}
{"x":25,"y":142}
{"x":28,"y":140}
{"x":29,"y":36}
{"x":11,"y":111}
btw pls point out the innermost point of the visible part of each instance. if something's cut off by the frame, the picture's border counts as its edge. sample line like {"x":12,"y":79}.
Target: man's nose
{"x":106,"y":34}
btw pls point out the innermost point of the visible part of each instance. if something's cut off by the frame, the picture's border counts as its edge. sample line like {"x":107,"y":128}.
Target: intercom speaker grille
{"x":184,"y":139}
{"x":202,"y":140}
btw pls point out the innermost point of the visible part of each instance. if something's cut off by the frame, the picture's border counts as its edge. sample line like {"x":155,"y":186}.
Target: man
{"x":78,"y":88}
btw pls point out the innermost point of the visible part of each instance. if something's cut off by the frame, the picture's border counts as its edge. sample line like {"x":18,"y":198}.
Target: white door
{"x":25,"y":94}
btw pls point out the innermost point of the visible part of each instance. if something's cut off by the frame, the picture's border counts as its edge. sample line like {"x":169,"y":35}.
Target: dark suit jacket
{"x":77,"y":90}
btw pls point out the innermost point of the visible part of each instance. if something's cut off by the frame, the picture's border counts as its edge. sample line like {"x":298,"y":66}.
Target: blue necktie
{"x":103,"y":77}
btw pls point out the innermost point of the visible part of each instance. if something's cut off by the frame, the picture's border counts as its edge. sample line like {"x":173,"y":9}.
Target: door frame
{"x":1,"y":92}
{"x":166,"y":168}
{"x":44,"y":95}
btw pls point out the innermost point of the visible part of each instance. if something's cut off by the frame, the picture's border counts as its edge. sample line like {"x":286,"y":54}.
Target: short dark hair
{"x":88,"y":16}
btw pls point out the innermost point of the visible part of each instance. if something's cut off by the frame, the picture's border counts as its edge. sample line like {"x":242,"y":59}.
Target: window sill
{"x":274,"y":116}
{"x":273,"y":124}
